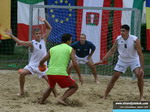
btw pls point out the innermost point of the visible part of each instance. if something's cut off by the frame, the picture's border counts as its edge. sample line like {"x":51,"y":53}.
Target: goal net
{"x":100,"y":25}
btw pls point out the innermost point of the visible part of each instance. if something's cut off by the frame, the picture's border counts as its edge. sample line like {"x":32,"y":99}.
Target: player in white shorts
{"x":38,"y":51}
{"x":82,"y":60}
{"x":84,"y":50}
{"x":130,"y":55}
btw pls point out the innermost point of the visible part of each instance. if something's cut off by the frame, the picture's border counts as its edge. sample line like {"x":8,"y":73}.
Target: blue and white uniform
{"x":82,"y":51}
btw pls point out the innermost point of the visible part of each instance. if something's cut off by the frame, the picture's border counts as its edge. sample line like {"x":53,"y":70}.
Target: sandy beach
{"x":87,"y":99}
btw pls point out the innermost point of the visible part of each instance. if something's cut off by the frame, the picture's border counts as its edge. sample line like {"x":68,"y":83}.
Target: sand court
{"x":87,"y":99}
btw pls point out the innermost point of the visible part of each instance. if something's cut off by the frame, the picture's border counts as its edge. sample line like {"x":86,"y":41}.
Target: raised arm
{"x":48,"y":27}
{"x":20,"y":42}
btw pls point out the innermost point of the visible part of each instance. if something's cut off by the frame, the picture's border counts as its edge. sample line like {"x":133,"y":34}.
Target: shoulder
{"x":88,"y":42}
{"x":119,"y":37}
{"x":133,"y":37}
{"x":75,"y":43}
{"x":68,"y":46}
{"x":54,"y":47}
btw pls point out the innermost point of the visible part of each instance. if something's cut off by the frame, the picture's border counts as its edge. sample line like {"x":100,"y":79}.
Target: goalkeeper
{"x":84,"y":50}
{"x":38,"y":50}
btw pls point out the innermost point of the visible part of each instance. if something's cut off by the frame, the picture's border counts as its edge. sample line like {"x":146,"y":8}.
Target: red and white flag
{"x":94,"y":24}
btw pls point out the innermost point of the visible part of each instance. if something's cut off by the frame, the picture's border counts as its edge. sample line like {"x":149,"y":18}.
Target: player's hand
{"x":41,"y":19}
{"x":98,"y":63}
{"x":81,"y":80}
{"x":8,"y":32}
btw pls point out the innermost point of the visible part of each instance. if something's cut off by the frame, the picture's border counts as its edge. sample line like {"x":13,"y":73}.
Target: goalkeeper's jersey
{"x":59,"y":59}
{"x":38,"y":52}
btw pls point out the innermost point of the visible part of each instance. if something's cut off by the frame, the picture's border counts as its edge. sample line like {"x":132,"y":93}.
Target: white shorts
{"x":122,"y":66}
{"x":82,"y":60}
{"x":35,"y":70}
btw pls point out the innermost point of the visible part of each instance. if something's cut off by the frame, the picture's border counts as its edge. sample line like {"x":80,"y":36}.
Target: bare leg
{"x":54,"y":91}
{"x":140,"y":83}
{"x":68,"y":93}
{"x":23,"y":73}
{"x":70,"y":67}
{"x":45,"y":95}
{"x":111,"y":83}
{"x":93,"y":68}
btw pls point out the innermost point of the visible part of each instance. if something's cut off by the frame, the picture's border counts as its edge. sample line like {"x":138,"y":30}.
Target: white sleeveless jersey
{"x":126,"y":48}
{"x":38,"y":52}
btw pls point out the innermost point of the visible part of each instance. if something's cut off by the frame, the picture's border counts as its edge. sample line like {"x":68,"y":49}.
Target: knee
{"x":75,"y":86}
{"x":115,"y":77}
{"x":139,"y":77}
{"x":93,"y":67}
{"x":21,"y":73}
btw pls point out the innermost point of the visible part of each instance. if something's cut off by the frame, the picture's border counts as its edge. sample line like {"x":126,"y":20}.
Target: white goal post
{"x":80,"y":19}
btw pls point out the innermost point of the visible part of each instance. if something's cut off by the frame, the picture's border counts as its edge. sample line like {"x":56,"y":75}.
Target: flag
{"x":125,"y":17}
{"x":148,"y":24}
{"x":61,"y":20}
{"x":23,"y":17}
{"x":5,"y":17}
{"x":94,"y":24}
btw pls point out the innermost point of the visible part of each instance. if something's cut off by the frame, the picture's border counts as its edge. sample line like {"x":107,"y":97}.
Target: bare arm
{"x":48,"y":27}
{"x":20,"y":42}
{"x":44,"y":59}
{"x":109,"y":54}
{"x":92,"y":50}
{"x":139,"y":51}
{"x":91,"y":53}
{"x":75,"y":65}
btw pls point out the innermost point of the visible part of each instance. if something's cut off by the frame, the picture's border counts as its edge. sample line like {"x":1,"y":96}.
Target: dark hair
{"x":36,"y":30}
{"x":66,"y":37}
{"x":126,"y":27}
{"x":83,"y":34}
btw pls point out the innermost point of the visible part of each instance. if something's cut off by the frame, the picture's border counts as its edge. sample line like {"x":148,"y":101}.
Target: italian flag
{"x":94,"y":24}
{"x":23,"y":17}
{"x":148,"y":24}
{"x":124,"y":17}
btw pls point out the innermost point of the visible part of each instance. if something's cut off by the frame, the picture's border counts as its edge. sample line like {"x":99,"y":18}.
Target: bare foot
{"x":97,"y":82}
{"x":20,"y":94}
{"x":142,"y":99}
{"x":104,"y":97}
{"x":60,"y":101}
{"x":40,"y":102}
